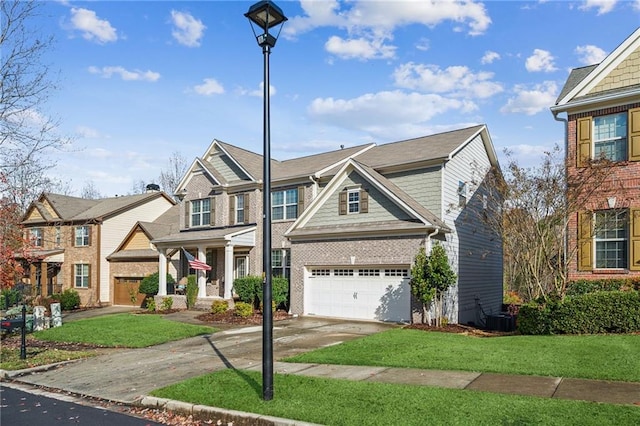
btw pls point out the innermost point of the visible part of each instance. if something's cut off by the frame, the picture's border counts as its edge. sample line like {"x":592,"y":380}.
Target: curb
{"x":11,"y":374}
{"x":237,"y":417}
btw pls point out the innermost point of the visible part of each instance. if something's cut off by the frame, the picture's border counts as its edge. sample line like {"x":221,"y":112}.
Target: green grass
{"x":123,"y":330}
{"x":606,"y":357}
{"x":10,"y":358}
{"x":342,"y":402}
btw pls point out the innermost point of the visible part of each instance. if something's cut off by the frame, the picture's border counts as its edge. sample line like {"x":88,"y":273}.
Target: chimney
{"x":152,"y":187}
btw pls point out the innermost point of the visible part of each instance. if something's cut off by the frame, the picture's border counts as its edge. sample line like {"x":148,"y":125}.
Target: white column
{"x":202,"y":277}
{"x":162,"y":272}
{"x":228,"y":270}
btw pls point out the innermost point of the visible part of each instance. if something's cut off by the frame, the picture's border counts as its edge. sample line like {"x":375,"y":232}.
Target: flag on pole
{"x":195,"y":263}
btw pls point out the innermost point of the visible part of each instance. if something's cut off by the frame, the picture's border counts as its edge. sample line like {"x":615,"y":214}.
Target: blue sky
{"x":140,"y":80}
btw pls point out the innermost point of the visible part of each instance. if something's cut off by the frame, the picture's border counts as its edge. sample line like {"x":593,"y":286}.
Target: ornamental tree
{"x":431,"y":277}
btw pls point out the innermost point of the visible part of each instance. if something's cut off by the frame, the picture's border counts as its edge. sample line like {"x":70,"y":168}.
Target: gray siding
{"x":227,"y":168}
{"x":423,"y":185}
{"x":381,"y":208}
{"x":475,"y":251}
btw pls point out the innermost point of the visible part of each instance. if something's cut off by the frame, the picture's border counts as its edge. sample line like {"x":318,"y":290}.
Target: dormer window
{"x":200,"y":212}
{"x":82,"y":236}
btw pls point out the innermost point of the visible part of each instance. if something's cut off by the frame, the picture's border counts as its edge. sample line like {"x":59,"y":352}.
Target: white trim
{"x":320,"y":172}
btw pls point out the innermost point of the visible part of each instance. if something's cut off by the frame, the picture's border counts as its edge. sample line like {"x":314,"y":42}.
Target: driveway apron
{"x":126,"y":375}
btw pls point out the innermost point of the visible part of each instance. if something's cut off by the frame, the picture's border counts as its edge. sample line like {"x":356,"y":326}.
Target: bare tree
{"x":27,"y":132}
{"x":89,"y":191}
{"x":535,"y":205}
{"x":170,"y":178}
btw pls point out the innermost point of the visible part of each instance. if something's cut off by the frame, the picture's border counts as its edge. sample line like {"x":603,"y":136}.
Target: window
{"x":82,"y":236}
{"x":353,"y":201}
{"x":396,"y":273}
{"x":281,"y":263}
{"x":462,"y":193}
{"x":81,"y":276}
{"x":369,"y":272}
{"x":610,"y":137}
{"x":611,"y":234}
{"x":242,"y":266}
{"x":201,"y":212}
{"x":58,"y":236}
{"x":284,"y":204}
{"x":320,"y":272}
{"x":239,"y":208}
{"x":35,"y":236}
{"x":343,"y":272}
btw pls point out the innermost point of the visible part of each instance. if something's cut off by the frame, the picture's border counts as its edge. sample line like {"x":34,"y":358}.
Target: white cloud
{"x":87,"y":132}
{"x":373,"y":112}
{"x":603,"y":6}
{"x":92,"y":27}
{"x":424,"y":44}
{"x":541,"y":60}
{"x":590,"y":54}
{"x":258,"y":93}
{"x":532,"y":101}
{"x":135,"y":75}
{"x":636,"y":5}
{"x":209,"y":87}
{"x":489,"y":57}
{"x":187,"y":30}
{"x":370,"y":23}
{"x":360,"y":48}
{"x":458,"y":81}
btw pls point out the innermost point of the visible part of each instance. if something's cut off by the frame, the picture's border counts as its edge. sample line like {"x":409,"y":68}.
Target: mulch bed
{"x":459,"y":329}
{"x":230,"y":317}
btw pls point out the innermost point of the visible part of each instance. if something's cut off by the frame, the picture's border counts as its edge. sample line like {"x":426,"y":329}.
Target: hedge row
{"x":578,"y":287}
{"x":249,"y":290}
{"x":599,"y":312}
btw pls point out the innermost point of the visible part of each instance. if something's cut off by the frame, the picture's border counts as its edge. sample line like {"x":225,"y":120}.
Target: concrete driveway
{"x":124,"y":375}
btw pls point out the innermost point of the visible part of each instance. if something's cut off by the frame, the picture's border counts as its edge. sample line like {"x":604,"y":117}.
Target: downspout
{"x":428,"y":242}
{"x":566,"y":176}
{"x":566,"y":154}
{"x":314,"y":187}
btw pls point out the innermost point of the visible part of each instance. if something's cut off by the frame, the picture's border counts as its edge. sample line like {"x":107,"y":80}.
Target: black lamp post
{"x":266,"y":15}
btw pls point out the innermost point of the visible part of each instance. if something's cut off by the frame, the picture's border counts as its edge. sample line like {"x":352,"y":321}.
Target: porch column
{"x":202,"y":275}
{"x":162,"y":272}
{"x":228,"y":270}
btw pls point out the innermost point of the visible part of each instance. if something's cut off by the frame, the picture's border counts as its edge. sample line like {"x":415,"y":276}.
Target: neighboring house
{"x":602,"y":106}
{"x":346,"y":224}
{"x":135,"y":257}
{"x":71,"y":238}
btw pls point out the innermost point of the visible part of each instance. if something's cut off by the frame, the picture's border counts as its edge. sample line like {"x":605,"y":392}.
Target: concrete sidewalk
{"x":129,"y":375}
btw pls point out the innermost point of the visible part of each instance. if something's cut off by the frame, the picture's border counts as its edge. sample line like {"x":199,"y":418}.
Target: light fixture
{"x":266,"y":15}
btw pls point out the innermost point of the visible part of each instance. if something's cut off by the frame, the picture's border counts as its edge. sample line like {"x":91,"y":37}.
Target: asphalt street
{"x":19,"y":408}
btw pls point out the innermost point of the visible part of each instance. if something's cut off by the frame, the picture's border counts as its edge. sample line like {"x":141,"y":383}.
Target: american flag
{"x":195,"y":263}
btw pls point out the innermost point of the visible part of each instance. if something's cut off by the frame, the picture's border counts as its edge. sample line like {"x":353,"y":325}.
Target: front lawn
{"x":123,"y":331}
{"x":605,"y":357}
{"x":342,"y":402}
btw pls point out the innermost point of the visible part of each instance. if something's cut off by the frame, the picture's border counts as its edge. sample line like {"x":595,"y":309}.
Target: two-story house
{"x":71,"y":238}
{"x":602,"y":107}
{"x":346,"y":224}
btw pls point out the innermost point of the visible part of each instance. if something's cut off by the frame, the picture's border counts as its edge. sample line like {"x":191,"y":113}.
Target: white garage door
{"x":359,"y":293}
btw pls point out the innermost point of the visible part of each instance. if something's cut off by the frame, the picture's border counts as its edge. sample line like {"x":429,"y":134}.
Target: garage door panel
{"x":359,"y":297}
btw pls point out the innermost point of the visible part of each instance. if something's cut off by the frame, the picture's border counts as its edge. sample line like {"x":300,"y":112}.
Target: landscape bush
{"x":243,"y":310}
{"x":591,"y":313}
{"x":279,"y":292}
{"x":191,"y":291}
{"x":150,"y":284}
{"x":166,"y":304}
{"x":219,"y":306}
{"x":69,"y":299}
{"x":9,"y":297}
{"x":578,"y":287}
{"x":150,"y":303}
{"x":247,"y":288}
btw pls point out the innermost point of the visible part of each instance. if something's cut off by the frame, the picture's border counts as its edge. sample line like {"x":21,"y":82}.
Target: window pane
{"x":276,"y":258}
{"x":292,"y":196}
{"x":195,"y":206}
{"x":206,"y":218}
{"x":610,"y":137}
{"x":292,"y":212}
{"x":277,"y":198}
{"x":277,"y":213}
{"x":611,"y":236}
{"x":240,"y":202}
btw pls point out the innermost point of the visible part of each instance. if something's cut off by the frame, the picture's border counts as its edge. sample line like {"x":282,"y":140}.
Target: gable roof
{"x":426,"y":219}
{"x":581,"y":81}
{"x":69,"y":209}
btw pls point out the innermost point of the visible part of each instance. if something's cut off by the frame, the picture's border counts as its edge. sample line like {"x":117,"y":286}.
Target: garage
{"x":125,"y":290}
{"x":365,"y":293}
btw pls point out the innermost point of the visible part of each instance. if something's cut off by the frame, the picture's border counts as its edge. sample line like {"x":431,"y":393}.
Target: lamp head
{"x":265,"y":15}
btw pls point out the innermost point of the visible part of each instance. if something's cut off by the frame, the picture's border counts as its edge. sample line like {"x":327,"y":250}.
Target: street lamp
{"x":265,"y":15}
